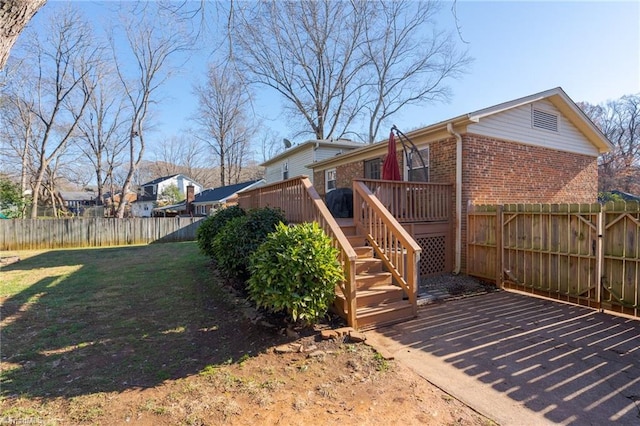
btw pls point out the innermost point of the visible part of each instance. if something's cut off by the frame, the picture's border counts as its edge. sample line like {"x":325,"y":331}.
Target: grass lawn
{"x":75,"y":322}
{"x":147,"y":335}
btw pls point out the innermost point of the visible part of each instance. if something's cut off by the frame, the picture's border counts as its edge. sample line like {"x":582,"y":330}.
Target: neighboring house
{"x":108,"y":200}
{"x":210,"y":200}
{"x":77,"y":201}
{"x":151,"y":193}
{"x":111,"y":202}
{"x":295,"y":161}
{"x":537,"y":149}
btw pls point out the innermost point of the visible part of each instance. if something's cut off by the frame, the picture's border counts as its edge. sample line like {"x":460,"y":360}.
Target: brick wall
{"x":318,"y":182}
{"x":442,"y":161}
{"x":348,"y":172}
{"x":500,"y":172}
{"x":345,"y":175}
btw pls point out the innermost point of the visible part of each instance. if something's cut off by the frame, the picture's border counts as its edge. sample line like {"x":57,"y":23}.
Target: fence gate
{"x":585,"y":254}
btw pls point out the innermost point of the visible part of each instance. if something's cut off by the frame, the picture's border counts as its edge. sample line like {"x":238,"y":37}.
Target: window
{"x":544,"y":120}
{"x":373,"y":169}
{"x":330,"y":177}
{"x":418,"y":166}
{"x":285,"y":170}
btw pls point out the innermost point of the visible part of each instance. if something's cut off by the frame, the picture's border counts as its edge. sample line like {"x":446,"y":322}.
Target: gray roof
{"x":78,"y":195}
{"x":222,"y":193}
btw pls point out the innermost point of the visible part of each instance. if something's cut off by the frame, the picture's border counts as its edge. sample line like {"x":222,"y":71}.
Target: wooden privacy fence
{"x":31,"y":234}
{"x":588,"y":254}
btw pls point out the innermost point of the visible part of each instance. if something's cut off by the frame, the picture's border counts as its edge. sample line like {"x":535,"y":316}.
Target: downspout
{"x":458,"y":248}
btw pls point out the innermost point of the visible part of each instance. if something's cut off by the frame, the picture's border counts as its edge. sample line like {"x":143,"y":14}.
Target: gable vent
{"x":544,"y":120}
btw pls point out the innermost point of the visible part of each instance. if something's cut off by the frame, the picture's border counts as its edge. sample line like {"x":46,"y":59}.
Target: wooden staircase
{"x":379,"y":301}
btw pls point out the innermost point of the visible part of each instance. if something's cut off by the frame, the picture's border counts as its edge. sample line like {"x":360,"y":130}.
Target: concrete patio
{"x":521,"y":360}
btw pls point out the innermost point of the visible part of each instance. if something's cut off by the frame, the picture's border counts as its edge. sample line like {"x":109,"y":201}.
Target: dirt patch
{"x":327,"y":382}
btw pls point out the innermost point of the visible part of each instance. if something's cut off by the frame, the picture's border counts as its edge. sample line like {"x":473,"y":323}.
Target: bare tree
{"x":337,"y":63}
{"x":102,"y":132}
{"x":271,"y":144}
{"x":61,"y":61}
{"x":152,"y":42}
{"x":223,"y":102}
{"x":182,"y":154}
{"x":307,"y":52}
{"x":619,"y":120}
{"x":20,"y":131}
{"x":14,"y":16}
{"x":408,"y":59}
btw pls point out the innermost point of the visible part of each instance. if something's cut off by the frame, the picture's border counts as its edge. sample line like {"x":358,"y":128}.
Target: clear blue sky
{"x":590,"y":49}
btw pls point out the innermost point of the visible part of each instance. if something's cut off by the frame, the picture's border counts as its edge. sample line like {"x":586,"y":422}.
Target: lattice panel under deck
{"x":433,"y":257}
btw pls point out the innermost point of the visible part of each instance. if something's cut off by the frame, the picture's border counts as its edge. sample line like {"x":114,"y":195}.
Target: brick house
{"x":537,"y":149}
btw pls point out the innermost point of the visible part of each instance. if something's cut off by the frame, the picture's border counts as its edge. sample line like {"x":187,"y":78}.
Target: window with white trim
{"x":330,"y":178}
{"x":419,"y":170}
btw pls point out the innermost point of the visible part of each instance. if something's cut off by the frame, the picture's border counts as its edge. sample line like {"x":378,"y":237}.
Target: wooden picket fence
{"x":588,"y":254}
{"x":33,"y":234}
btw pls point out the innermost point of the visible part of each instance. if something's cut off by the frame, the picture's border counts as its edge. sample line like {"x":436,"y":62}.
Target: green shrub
{"x":295,"y":271}
{"x":211,"y":226}
{"x":605,"y":197}
{"x":240,"y":237}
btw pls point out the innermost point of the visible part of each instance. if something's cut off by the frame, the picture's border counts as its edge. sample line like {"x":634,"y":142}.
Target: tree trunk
{"x":14,"y":16}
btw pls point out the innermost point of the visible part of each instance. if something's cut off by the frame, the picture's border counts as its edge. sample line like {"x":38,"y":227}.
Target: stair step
{"x":381,"y":295}
{"x":349,"y":230}
{"x":357,"y":240}
{"x":344,"y":221}
{"x":368,"y":265}
{"x":383,"y":315}
{"x":366,"y":281}
{"x":364,"y":251}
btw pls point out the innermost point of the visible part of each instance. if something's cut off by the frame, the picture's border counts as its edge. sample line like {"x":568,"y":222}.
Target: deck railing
{"x":300,"y":202}
{"x":413,"y":201}
{"x":392,"y":243}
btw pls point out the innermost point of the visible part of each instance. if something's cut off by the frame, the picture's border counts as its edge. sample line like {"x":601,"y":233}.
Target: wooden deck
{"x":381,"y":260}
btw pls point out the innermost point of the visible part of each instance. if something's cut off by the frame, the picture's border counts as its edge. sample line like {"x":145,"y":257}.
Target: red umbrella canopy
{"x":390,"y":168}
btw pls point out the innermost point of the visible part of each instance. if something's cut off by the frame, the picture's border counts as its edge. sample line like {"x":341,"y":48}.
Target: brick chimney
{"x":190,"y":197}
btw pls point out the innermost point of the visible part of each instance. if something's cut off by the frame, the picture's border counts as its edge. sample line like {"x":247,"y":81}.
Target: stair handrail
{"x":300,"y":202}
{"x":393,"y":244}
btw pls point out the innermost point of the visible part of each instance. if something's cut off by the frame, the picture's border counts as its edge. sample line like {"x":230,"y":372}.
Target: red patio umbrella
{"x":390,"y":167}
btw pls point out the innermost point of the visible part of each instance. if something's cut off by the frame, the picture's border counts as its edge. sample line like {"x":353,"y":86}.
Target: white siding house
{"x":295,"y":160}
{"x":539,"y":123}
{"x":151,"y":193}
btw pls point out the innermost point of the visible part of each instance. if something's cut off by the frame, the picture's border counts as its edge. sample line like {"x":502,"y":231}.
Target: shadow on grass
{"x":120,"y":318}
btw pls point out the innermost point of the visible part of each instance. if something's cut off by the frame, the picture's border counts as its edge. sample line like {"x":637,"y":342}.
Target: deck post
{"x":599,"y":256}
{"x":499,"y":246}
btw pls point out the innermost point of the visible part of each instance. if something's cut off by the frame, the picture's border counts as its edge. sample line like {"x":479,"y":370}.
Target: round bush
{"x":295,"y":271}
{"x":240,"y":237}
{"x":211,"y":226}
